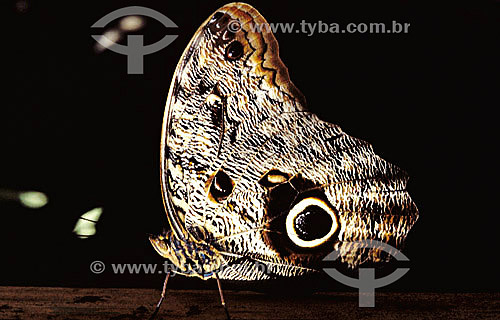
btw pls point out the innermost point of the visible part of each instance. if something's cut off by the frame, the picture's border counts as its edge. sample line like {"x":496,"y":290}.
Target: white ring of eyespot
{"x":298,"y":208}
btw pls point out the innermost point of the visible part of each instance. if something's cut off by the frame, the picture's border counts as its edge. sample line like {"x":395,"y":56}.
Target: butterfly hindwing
{"x":250,"y":178}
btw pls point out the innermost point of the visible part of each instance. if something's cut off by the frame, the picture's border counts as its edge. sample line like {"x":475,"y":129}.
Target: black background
{"x":77,"y":127}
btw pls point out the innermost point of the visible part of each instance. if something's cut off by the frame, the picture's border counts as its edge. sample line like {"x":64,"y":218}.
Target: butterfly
{"x":254,"y":185}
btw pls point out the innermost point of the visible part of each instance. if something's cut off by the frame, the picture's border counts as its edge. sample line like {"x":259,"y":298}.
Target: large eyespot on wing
{"x":302,"y":225}
{"x":311,"y":222}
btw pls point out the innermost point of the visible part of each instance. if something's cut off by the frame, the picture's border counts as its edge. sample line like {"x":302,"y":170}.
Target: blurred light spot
{"x":22,"y":6}
{"x":85,"y":226}
{"x":132,"y":23}
{"x":108,"y":39}
{"x":33,"y":199}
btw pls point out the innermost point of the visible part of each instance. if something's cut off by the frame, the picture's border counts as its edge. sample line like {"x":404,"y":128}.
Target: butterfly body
{"x":255,"y":186}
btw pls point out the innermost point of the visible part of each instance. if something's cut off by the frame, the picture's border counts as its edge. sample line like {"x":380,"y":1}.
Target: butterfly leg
{"x":222,"y":298}
{"x":161,"y":298}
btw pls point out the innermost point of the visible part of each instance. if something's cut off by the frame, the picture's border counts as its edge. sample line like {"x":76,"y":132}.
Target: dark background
{"x":75,"y":126}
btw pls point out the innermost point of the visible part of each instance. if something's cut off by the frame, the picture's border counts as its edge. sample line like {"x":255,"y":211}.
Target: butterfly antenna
{"x":222,"y":298}
{"x":162,"y":297}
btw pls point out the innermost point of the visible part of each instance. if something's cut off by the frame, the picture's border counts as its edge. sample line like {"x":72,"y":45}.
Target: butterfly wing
{"x":251,"y":181}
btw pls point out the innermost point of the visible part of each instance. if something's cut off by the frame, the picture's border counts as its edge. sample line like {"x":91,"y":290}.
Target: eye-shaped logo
{"x":366,"y":282}
{"x":135,"y":50}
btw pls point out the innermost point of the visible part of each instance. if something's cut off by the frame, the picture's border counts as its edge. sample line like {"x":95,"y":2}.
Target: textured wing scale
{"x":244,"y":117}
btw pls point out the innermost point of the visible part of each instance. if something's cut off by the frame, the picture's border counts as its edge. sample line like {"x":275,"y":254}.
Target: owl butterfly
{"x":250,"y":178}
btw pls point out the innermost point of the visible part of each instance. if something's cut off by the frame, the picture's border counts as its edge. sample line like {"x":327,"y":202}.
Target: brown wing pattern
{"x":251,"y":179}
